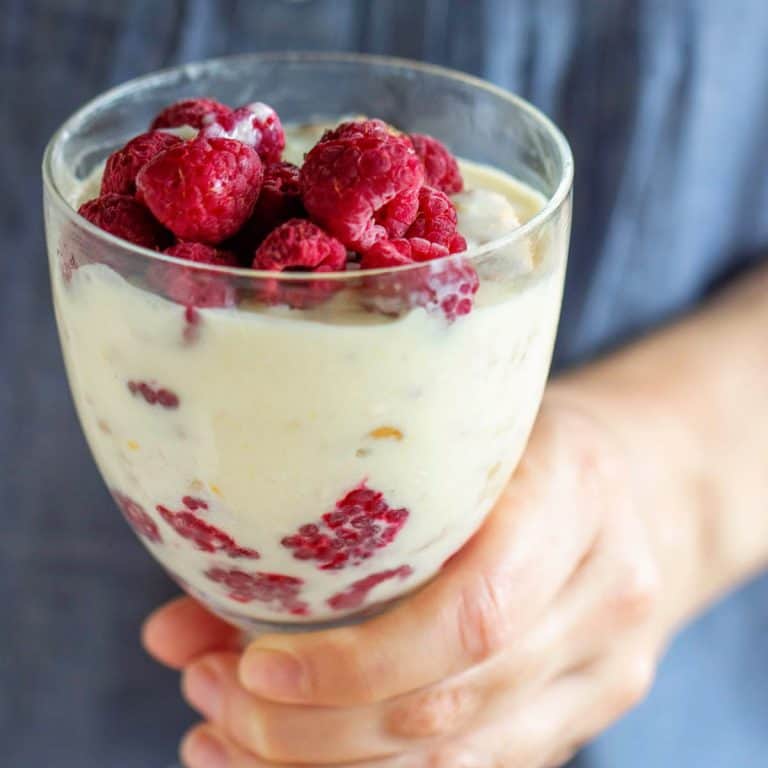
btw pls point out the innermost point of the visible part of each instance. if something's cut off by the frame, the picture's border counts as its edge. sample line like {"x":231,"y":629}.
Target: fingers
{"x":615,"y":590}
{"x":182,"y":630}
{"x":282,"y":732}
{"x":485,"y":599}
{"x":208,"y":746}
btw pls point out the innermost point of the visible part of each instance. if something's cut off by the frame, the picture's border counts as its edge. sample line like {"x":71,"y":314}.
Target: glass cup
{"x":299,"y":450}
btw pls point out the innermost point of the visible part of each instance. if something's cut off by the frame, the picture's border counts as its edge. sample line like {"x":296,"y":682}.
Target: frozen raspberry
{"x":361,"y":523}
{"x":138,"y":518}
{"x":446,"y":286}
{"x":122,"y":166}
{"x":396,"y":217}
{"x":352,"y":174}
{"x":393,"y":253}
{"x":202,"y":190}
{"x":436,"y":220}
{"x":191,"y":112}
{"x":200,"y":253}
{"x":299,"y":245}
{"x":450,"y":288}
{"x":154,"y":395}
{"x":440,"y":166}
{"x":205,"y":537}
{"x":255,"y":124}
{"x":125,"y":217}
{"x":195,"y":287}
{"x":279,"y":201}
{"x":279,"y":591}
{"x":357,"y":593}
{"x":388,"y":253}
{"x":359,"y":129}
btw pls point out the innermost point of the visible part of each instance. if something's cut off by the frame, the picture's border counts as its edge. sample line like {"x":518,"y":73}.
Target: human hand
{"x":541,"y":632}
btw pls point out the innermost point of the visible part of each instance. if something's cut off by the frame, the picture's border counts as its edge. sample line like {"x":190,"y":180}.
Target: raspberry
{"x":202,"y":190}
{"x":399,"y":214}
{"x":138,"y":518}
{"x":388,"y":253}
{"x":201,"y":253}
{"x":194,"y":287}
{"x":154,"y":395}
{"x":436,"y":220}
{"x":396,"y":217}
{"x":270,"y":588}
{"x":205,"y":537}
{"x":352,"y":174}
{"x":255,"y":124}
{"x":361,"y":523}
{"x":299,"y":245}
{"x":279,"y":201}
{"x":124,"y":217}
{"x":450,"y":288}
{"x":357,"y":593}
{"x":192,"y":112}
{"x":359,"y":129}
{"x":446,"y":286}
{"x":440,"y":167}
{"x":122,"y":166}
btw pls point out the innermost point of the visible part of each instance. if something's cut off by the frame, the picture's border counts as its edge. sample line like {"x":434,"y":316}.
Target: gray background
{"x":666,"y":105}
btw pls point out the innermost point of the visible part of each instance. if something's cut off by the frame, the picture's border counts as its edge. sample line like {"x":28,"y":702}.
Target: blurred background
{"x":666,"y":106}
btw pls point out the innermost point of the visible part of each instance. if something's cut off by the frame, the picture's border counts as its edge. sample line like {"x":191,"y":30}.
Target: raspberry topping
{"x":450,"y":288}
{"x":205,"y":537}
{"x":357,"y":593}
{"x":436,"y":220}
{"x":279,"y":201}
{"x":447,"y":286}
{"x":359,"y":129}
{"x":201,"y":253}
{"x":124,"y":217}
{"x":280,"y":591}
{"x":440,"y":167}
{"x":300,"y":245}
{"x":154,"y":395}
{"x":255,"y":124}
{"x":192,"y":112}
{"x":396,"y":217}
{"x":138,"y":518}
{"x":122,"y":166}
{"x":388,"y":253}
{"x":361,"y":523}
{"x":194,"y":287}
{"x":202,"y":190}
{"x":352,"y":174}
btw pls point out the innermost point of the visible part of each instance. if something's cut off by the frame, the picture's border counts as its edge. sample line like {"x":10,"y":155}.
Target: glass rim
{"x":538,"y":220}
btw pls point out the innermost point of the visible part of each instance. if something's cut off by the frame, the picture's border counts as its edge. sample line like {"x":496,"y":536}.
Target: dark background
{"x":666,"y":106}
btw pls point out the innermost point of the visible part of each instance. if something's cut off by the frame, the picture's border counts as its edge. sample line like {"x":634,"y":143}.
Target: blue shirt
{"x":666,"y":105}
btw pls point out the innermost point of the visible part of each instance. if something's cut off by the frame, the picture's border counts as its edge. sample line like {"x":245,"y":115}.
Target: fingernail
{"x":273,"y":674}
{"x":204,"y":751}
{"x":203,"y":691}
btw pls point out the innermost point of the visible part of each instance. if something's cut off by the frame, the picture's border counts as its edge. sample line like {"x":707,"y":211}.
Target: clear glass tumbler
{"x":297,"y":449}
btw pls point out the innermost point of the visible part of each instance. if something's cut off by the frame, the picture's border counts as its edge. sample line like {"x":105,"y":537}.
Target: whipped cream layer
{"x":271,"y":417}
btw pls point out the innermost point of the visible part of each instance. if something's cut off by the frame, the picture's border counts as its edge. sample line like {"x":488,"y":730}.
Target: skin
{"x":638,"y":502}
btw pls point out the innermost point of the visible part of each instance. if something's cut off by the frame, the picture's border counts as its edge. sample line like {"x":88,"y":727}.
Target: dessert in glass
{"x":306,"y":344}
